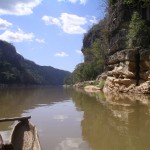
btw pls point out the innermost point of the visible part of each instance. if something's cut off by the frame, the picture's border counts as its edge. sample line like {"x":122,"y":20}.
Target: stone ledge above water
{"x":114,"y":85}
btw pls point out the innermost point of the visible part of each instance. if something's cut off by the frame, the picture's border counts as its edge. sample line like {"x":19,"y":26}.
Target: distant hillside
{"x":15,"y":69}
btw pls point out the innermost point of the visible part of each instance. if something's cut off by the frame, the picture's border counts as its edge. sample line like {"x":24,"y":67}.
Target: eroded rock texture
{"x":129,"y":71}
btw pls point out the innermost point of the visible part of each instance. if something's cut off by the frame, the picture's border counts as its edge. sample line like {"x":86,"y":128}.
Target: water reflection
{"x":27,"y":98}
{"x":115,"y":122}
{"x":74,"y":120}
{"x":15,"y":102}
{"x":52,"y":112}
{"x":72,"y":144}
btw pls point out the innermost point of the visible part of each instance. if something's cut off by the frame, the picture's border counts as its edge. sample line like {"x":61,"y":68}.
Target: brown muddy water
{"x":73,"y":120}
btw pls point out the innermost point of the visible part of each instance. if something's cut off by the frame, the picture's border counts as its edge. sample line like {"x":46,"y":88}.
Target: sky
{"x":49,"y":32}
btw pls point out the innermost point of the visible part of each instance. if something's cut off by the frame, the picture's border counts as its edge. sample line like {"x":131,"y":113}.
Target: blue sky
{"x":49,"y":32}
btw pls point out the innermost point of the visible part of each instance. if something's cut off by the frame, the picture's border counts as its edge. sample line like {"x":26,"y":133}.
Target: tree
{"x":138,"y":32}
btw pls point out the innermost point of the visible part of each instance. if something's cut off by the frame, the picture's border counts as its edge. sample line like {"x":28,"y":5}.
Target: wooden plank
{"x":15,"y":118}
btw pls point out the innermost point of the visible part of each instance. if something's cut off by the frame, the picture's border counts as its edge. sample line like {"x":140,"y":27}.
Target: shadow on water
{"x":114,"y":122}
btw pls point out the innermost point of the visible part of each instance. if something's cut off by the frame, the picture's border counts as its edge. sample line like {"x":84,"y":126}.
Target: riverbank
{"x":91,"y":86}
{"x":113,"y":85}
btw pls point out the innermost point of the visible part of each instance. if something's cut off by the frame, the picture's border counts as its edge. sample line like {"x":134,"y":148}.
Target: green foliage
{"x":112,"y":2}
{"x":144,"y":2}
{"x":68,"y":80}
{"x":138,"y":32}
{"x":98,"y":52}
{"x":130,"y":2}
{"x":89,"y":71}
{"x":101,"y":83}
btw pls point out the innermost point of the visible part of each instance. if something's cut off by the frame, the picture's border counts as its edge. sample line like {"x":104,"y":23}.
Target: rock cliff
{"x":128,"y":68}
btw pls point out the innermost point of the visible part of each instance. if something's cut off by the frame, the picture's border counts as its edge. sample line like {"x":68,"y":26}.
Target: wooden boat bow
{"x":24,"y":135}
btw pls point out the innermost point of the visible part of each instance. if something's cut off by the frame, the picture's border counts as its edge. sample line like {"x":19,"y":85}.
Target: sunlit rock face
{"x":128,"y":70}
{"x":128,"y":73}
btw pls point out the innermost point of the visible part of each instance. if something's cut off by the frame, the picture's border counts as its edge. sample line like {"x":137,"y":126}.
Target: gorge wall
{"x":128,"y":68}
{"x":16,"y":70}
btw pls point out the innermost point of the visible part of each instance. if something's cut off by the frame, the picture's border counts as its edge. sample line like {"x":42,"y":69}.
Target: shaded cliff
{"x":93,"y":49}
{"x":14,"y":69}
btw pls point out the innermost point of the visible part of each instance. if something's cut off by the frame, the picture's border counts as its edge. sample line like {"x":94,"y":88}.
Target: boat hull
{"x":25,"y":137}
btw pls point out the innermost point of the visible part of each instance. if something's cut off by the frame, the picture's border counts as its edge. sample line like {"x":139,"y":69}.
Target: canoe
{"x":25,"y":137}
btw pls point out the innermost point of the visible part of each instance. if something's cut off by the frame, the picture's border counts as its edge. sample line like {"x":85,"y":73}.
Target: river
{"x":70,"y":119}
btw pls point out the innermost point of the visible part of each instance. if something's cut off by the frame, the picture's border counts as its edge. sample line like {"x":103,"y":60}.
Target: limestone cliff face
{"x":128,"y":70}
{"x":89,"y":38}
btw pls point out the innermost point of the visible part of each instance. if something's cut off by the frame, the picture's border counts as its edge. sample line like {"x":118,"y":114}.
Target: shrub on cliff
{"x":130,"y":2}
{"x":138,"y":32}
{"x":143,"y":2}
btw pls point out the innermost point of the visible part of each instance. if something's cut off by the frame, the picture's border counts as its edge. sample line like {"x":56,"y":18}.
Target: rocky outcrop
{"x":92,"y":88}
{"x":129,"y":71}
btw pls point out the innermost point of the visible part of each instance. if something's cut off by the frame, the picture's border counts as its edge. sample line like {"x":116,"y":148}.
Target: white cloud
{"x":40,"y":40}
{"x":18,"y":36}
{"x":71,"y":143}
{"x":74,"y":1}
{"x":71,"y":1}
{"x":83,"y":2}
{"x":60,"y":117}
{"x":70,"y":23}
{"x":94,"y":20}
{"x":51,"y":20}
{"x":4,"y":24}
{"x":78,"y":51}
{"x":61,"y":54}
{"x":18,"y":7}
